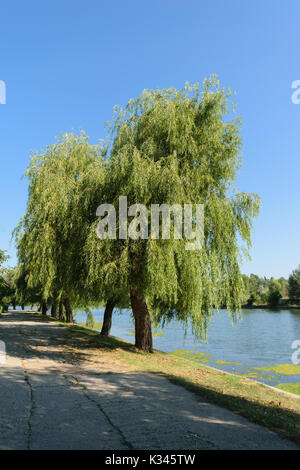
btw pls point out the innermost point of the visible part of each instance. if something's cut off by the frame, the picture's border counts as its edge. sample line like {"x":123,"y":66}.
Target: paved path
{"x":49,"y":401}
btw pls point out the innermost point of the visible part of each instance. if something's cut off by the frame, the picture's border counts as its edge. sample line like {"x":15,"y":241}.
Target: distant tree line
{"x":261,"y":290}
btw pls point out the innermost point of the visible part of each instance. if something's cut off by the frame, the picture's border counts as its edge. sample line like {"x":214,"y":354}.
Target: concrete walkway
{"x":49,"y":401}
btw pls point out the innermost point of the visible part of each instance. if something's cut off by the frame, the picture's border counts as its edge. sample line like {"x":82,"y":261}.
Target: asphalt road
{"x":49,"y":401}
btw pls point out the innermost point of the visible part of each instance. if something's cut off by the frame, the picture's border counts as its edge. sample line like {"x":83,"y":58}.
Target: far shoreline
{"x":271,"y":307}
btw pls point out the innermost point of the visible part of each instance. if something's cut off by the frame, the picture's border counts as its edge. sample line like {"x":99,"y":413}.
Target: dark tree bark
{"x":40,"y":309}
{"x":68,"y":309}
{"x":32,"y":307}
{"x":107,"y":318}
{"x":23,"y":307}
{"x":44,"y":309}
{"x":143,"y":333}
{"x":61,"y":311}
{"x":14,"y":306}
{"x":54,"y":310}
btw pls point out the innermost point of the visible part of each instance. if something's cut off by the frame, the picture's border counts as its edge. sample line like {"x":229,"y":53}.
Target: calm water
{"x":261,"y":340}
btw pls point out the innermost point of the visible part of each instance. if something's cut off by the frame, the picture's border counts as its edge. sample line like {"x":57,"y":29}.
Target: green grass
{"x":290,"y":387}
{"x":229,"y":363}
{"x":96,"y":326}
{"x":283,"y":369}
{"x":195,"y":356}
{"x":258,"y":403}
{"x":155,"y":334}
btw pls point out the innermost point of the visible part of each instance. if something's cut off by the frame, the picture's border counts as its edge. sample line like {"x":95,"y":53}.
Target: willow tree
{"x":176,"y":147}
{"x":3,"y":258}
{"x":6,"y":290}
{"x":51,"y":235}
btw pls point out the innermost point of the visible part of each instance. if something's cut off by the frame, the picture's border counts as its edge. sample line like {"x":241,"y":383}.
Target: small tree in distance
{"x":274,"y":294}
{"x":294,"y":284}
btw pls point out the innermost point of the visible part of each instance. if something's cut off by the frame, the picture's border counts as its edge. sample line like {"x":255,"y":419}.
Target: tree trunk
{"x":61,"y":311}
{"x":40,"y":309}
{"x":32,"y":307}
{"x":44,"y":309}
{"x":14,"y":306}
{"x":23,"y":307}
{"x":54,"y":310}
{"x":110,"y":305}
{"x":69,"y":313}
{"x":143,"y":333}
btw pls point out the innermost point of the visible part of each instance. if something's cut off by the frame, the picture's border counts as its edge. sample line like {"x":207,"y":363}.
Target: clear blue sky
{"x":67,"y":63}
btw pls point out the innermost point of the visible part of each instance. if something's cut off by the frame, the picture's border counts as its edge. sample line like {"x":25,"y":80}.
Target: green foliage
{"x":251,"y":300}
{"x":23,"y":292}
{"x":284,"y":287}
{"x":63,"y":186}
{"x":294,"y":284}
{"x":5,"y":288}
{"x":176,"y":147}
{"x":90,"y":320}
{"x":5,"y":291}
{"x":274,"y":298}
{"x":3,"y":307}
{"x":263,"y":290}
{"x":3,"y":257}
{"x":167,"y":147}
{"x":274,"y":295}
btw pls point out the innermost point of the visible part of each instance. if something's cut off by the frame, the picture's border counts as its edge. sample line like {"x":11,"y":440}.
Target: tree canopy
{"x":176,"y":147}
{"x":50,"y":236}
{"x":167,"y":147}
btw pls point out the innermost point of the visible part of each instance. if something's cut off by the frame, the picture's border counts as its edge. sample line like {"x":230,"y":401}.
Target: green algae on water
{"x":251,"y":374}
{"x":155,"y":334}
{"x":195,"y":356}
{"x":229,"y":363}
{"x":283,"y":369}
{"x":263,"y":373}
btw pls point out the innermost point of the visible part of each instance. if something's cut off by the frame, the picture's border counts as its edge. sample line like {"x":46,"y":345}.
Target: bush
{"x":90,"y":321}
{"x":3,"y":307}
{"x":251,"y":300}
{"x":274,"y":298}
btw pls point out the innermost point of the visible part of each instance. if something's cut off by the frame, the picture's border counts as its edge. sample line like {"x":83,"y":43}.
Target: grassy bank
{"x":260,"y":404}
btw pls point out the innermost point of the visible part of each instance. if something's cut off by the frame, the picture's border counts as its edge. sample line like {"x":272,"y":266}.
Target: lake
{"x":259,"y":346}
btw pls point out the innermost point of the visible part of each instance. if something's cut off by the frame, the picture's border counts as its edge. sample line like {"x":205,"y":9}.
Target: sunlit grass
{"x":290,"y":387}
{"x":263,"y":405}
